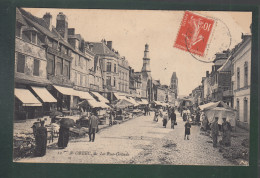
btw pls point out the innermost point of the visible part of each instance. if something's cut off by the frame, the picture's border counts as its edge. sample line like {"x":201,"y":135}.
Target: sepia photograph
{"x":142,"y":87}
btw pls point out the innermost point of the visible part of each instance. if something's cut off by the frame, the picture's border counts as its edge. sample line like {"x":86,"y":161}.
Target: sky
{"x":130,"y":30}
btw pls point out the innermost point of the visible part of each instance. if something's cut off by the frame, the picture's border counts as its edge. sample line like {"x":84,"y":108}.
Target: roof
{"x":20,"y":18}
{"x":102,"y":49}
{"x":174,"y":76}
{"x":40,"y":24}
{"x":226,"y":66}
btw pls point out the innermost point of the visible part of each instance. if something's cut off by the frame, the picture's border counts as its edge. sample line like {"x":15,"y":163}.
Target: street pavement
{"x":138,"y":141}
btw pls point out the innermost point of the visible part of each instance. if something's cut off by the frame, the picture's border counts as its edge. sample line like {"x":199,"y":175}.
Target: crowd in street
{"x":189,"y":116}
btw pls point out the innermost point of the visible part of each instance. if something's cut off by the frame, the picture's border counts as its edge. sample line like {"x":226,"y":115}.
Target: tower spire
{"x":146,"y":60}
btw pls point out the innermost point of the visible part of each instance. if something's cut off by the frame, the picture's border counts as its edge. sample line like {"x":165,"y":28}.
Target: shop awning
{"x":100,"y":97}
{"x":26,"y":97}
{"x":66,"y":90}
{"x":95,"y":104}
{"x":158,"y":103}
{"x":132,"y":100}
{"x":144,"y":101}
{"x":83,"y":95}
{"x":44,"y":94}
{"x":119,"y":97}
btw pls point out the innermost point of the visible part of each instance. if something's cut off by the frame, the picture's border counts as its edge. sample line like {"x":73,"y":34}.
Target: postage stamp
{"x":194,"y":33}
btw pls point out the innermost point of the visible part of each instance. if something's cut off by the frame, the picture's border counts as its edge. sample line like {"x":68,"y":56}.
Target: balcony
{"x":227,"y":93}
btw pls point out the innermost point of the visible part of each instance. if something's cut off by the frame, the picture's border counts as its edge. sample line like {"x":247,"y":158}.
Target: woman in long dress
{"x":63,"y":137}
{"x":41,"y":140}
{"x":226,"y":137}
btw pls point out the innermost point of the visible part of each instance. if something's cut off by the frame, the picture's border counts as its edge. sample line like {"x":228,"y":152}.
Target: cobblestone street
{"x":138,"y":141}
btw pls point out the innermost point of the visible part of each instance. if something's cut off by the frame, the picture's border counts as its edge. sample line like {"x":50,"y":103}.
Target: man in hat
{"x":93,"y":124}
{"x":214,"y":132}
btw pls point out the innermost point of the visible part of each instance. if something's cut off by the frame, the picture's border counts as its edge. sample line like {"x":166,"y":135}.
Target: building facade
{"x":241,"y":74}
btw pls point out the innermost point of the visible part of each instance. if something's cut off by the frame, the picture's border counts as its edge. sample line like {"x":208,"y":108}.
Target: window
{"x":20,"y":63}
{"x":238,"y":78}
{"x":54,"y":45}
{"x":114,"y":81}
{"x":245,"y":110}
{"x":36,"y":67}
{"x":86,"y":83}
{"x":115,"y":68}
{"x":108,"y":66}
{"x":246,"y":74}
{"x":232,"y":69}
{"x":33,"y":37}
{"x":81,"y":79}
{"x":50,"y":64}
{"x":75,"y":79}
{"x":238,"y":109}
{"x":59,"y":47}
{"x":108,"y":81}
{"x":59,"y":66}
{"x":18,"y":30}
{"x":66,"y":69}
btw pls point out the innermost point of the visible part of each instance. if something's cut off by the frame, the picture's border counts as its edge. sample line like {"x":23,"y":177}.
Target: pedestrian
{"x":156,"y":115}
{"x":41,"y":140}
{"x":111,"y":117}
{"x":214,"y":132}
{"x":173,"y":118}
{"x":187,"y":129}
{"x":184,"y":116}
{"x":205,"y":122}
{"x":198,"y":117}
{"x":93,"y":125}
{"x":226,"y":128}
{"x":63,"y":139}
{"x":165,"y":119}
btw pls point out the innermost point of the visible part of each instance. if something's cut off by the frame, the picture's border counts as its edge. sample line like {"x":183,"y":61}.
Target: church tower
{"x":174,"y":84}
{"x":146,"y":62}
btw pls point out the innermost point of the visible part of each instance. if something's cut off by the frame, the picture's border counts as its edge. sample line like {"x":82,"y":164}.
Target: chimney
{"x":91,"y":46}
{"x":71,"y":31}
{"x":48,"y":19}
{"x":62,"y":25}
{"x":109,"y":44}
{"x":207,"y":73}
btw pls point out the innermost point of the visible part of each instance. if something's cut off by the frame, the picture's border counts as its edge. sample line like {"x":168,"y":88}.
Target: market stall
{"x":221,"y":110}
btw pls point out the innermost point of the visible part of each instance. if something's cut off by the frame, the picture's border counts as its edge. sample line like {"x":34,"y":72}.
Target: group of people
{"x":226,"y":129}
{"x":168,"y":115}
{"x":41,"y":135}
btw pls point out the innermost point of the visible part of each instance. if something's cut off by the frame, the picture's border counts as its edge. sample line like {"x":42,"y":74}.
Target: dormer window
{"x":34,"y":37}
{"x":30,"y":35}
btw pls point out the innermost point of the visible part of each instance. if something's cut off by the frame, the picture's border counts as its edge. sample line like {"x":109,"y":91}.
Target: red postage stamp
{"x":194,"y":33}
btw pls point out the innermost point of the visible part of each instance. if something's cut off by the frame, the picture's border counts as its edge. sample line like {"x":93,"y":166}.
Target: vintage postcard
{"x":100,"y":86}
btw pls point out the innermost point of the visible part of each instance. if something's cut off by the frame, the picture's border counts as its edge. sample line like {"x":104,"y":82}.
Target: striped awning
{"x":44,"y":94}
{"x":26,"y":97}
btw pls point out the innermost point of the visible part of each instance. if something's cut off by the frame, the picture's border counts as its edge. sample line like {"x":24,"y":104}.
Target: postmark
{"x":194,"y":33}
